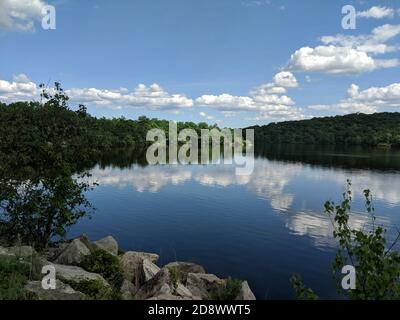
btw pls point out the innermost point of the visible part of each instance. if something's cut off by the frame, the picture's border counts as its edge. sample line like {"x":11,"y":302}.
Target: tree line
{"x":379,"y":129}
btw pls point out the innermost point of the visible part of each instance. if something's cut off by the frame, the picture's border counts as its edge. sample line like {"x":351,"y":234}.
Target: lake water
{"x":262,"y":228}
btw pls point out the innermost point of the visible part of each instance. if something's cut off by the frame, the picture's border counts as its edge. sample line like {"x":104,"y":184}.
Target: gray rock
{"x":76,"y":274}
{"x":202,"y":284}
{"x":62,"y":291}
{"x":159,"y":284}
{"x":184,"y":268}
{"x":127,"y":290}
{"x":22,"y":251}
{"x":149,"y":269}
{"x":245,"y":292}
{"x":72,"y":254}
{"x":185,"y":293}
{"x":132,"y":266}
{"x":108,"y":244}
{"x":163,"y":287}
{"x":5,"y":252}
{"x":165,"y":297}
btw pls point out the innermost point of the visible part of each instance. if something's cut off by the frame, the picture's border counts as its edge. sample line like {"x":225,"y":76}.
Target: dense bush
{"x":104,"y":263}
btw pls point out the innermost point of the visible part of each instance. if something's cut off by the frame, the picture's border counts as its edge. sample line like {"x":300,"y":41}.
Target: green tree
{"x":376,"y":262}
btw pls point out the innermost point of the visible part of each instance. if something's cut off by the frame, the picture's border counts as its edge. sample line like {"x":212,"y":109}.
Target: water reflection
{"x":293,"y":189}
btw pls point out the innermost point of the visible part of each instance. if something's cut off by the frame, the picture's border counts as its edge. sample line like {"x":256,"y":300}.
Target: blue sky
{"x":209,"y":60}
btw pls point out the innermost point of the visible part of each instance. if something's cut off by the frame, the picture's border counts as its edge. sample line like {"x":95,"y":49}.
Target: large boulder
{"x":132,"y":266}
{"x":164,"y":286}
{"x":108,"y":244}
{"x":62,"y":291}
{"x":73,"y":253}
{"x":245,"y":292}
{"x":127,"y":290}
{"x":159,"y":284}
{"x":203,"y":285}
{"x":76,"y":274}
{"x":184,"y":268}
{"x":149,"y":269}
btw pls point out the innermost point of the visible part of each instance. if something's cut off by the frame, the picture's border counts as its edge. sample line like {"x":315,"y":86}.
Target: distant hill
{"x":379,"y":129}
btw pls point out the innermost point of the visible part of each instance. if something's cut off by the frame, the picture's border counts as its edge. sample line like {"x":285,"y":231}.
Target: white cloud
{"x":377,"y":12}
{"x":21,"y":88}
{"x":343,"y":54}
{"x":374,"y":43}
{"x":336,"y":60}
{"x":205,"y":115}
{"x":286,"y":79}
{"x":267,"y":101}
{"x":20,"y":14}
{"x":152,"y":97}
{"x":256,"y":3}
{"x":367,"y":101}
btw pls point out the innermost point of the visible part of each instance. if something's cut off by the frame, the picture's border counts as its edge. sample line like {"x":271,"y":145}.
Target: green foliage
{"x":354,"y":129}
{"x":104,"y":263}
{"x":302,"y":293}
{"x":94,"y":289}
{"x":36,"y":211}
{"x":39,"y":196}
{"x":15,"y":272}
{"x":377,"y":264}
{"x":175,"y":277}
{"x":42,"y":163}
{"x":227,"y":291}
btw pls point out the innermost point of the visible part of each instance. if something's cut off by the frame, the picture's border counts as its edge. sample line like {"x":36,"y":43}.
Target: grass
{"x":15,"y":272}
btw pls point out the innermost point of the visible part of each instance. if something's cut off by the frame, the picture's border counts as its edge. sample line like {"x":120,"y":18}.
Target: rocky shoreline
{"x":134,"y":276}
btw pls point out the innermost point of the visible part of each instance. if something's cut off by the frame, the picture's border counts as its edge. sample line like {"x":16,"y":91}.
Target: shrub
{"x":94,"y":289}
{"x":376,"y":262}
{"x":109,"y":266}
{"x":228,"y":291}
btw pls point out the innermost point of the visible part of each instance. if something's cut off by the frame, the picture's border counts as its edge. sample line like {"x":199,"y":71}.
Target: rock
{"x":163,"y":287}
{"x":159,"y":284}
{"x":184,"y":268}
{"x":132,"y":266}
{"x":76,"y":274}
{"x":5,"y":252}
{"x":108,"y":244}
{"x":202,"y":284}
{"x":62,"y":291}
{"x":72,"y":254}
{"x":184,"y":292}
{"x":166,"y":297}
{"x":149,"y":269}
{"x":245,"y":292}
{"x":85,"y":240}
{"x":127,"y":290}
{"x":22,"y":251}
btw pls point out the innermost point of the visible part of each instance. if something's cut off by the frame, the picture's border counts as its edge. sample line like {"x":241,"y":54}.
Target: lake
{"x":262,"y":228}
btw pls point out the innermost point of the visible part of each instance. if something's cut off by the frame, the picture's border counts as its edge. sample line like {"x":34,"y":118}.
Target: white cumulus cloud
{"x":377,"y":12}
{"x":370,"y":100}
{"x":344,"y":54}
{"x":266,"y":101}
{"x":20,"y":14}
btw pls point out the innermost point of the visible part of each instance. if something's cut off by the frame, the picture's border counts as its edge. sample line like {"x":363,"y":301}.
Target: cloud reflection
{"x":273,"y":181}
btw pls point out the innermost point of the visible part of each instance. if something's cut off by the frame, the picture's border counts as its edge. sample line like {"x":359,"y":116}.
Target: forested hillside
{"x":354,"y":129}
